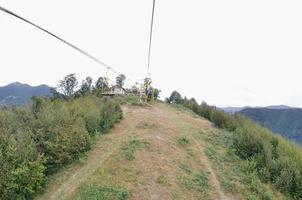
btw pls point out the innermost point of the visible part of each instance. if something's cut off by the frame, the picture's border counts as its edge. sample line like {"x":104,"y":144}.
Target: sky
{"x":227,"y":53}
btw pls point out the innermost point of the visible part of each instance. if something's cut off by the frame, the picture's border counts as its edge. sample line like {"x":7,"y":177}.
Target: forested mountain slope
{"x":286,"y":122}
{"x":20,"y":94}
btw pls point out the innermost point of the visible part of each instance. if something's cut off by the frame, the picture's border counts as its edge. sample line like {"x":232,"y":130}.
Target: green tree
{"x":68,"y":84}
{"x":191,"y":104}
{"x":86,"y":86}
{"x":175,"y":97}
{"x":101,"y":84}
{"x":55,"y":94}
{"x":120,"y":80}
{"x":156,"y":93}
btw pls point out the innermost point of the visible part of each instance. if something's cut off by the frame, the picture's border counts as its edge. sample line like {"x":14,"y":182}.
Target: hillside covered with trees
{"x":20,"y":94}
{"x":286,"y":122}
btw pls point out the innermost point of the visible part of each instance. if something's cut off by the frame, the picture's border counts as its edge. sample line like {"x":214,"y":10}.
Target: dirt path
{"x":168,"y":117}
{"x":213,"y":177}
{"x":201,"y":124}
{"x":70,"y":179}
{"x":156,"y":170}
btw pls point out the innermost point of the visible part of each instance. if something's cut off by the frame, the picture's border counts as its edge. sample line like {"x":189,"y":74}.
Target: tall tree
{"x":86,"y":86}
{"x":175,"y":98}
{"x":156,"y":93}
{"x":101,"y":84}
{"x":120,"y":80}
{"x":56,"y":94}
{"x":147,"y":85}
{"x":68,"y":84}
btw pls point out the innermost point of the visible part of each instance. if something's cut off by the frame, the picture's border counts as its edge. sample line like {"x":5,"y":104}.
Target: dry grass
{"x":156,"y":152}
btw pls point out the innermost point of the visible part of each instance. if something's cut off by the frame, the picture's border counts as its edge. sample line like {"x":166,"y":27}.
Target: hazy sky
{"x":228,"y":53}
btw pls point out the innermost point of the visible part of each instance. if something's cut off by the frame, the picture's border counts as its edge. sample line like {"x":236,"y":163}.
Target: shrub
{"x":22,"y":167}
{"x":110,"y":114}
{"x":205,"y":111}
{"x":60,"y":133}
{"x":183,"y":141}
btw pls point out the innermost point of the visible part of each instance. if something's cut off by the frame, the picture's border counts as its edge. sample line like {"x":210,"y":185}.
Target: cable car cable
{"x":150,"y":39}
{"x":59,"y":38}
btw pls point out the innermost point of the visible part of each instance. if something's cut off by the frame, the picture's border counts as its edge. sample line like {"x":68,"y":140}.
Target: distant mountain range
{"x":238,"y":109}
{"x":20,"y":94}
{"x":284,"y":120}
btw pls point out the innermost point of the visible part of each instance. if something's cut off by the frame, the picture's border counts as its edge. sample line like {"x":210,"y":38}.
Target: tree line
{"x":277,"y":160}
{"x":67,"y":87}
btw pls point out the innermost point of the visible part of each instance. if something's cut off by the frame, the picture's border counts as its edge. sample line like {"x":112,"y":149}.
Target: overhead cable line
{"x":150,"y":39}
{"x":61,"y":39}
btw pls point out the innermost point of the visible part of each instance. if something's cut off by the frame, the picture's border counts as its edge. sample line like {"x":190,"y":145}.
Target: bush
{"x":22,"y":167}
{"x":99,"y":114}
{"x":205,"y":111}
{"x":110,"y":114}
{"x":60,"y":133}
{"x":183,"y":141}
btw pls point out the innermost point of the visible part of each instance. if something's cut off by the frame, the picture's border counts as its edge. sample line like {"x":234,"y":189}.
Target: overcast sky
{"x":227,"y":53}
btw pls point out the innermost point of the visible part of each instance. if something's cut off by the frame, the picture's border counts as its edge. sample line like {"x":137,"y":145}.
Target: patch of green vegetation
{"x":176,"y":194}
{"x":212,"y":153}
{"x":103,"y":193}
{"x":190,"y":153}
{"x":115,"y":172}
{"x":145,"y":125}
{"x":199,"y":182}
{"x":236,"y":175}
{"x":163,"y":180}
{"x":252,"y":181}
{"x":183,"y":140}
{"x":131,"y":147}
{"x":186,"y":167}
{"x":218,"y":138}
{"x":228,"y":183}
{"x":131,"y":100}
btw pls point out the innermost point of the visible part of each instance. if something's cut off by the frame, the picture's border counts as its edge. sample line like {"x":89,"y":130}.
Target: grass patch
{"x":131,"y":100}
{"x":199,"y":182}
{"x":103,"y":193}
{"x":190,"y":153}
{"x":183,"y":141}
{"x":212,"y":153}
{"x":131,"y":147}
{"x":145,"y":125}
{"x":186,"y":167}
{"x":163,"y":180}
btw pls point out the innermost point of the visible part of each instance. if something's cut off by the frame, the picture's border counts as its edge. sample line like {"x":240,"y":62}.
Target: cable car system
{"x":146,"y":82}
